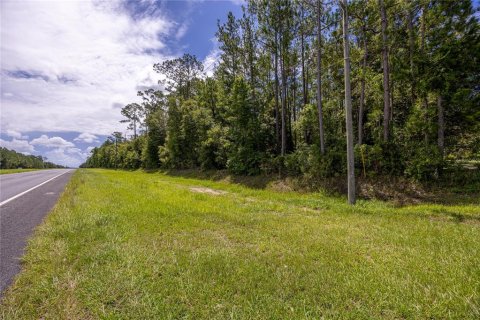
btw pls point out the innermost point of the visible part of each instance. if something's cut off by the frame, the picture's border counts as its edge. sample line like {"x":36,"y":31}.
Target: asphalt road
{"x":21,"y":213}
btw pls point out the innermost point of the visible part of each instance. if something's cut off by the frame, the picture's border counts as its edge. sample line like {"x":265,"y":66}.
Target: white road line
{"x":26,"y":191}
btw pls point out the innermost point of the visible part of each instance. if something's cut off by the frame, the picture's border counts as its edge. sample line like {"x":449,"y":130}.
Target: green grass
{"x":8,"y":171}
{"x":132,"y":245}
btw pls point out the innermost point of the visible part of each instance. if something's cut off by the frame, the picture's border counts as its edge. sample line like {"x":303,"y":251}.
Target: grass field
{"x":134,"y":245}
{"x":8,"y":171}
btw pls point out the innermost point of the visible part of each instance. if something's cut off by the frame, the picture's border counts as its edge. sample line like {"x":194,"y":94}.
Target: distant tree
{"x":10,"y":159}
{"x":133,"y":112}
{"x":181,"y":75}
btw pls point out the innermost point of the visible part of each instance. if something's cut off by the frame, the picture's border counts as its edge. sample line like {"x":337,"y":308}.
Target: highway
{"x":25,"y":199}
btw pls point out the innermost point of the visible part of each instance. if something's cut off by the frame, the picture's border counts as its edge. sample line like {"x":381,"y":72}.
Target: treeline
{"x":276,"y":100}
{"x":10,"y":159}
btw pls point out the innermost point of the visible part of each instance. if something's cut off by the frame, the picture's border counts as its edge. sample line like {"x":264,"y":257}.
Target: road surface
{"x":25,"y":199}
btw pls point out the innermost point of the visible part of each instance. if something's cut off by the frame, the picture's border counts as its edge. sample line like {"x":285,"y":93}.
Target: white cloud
{"x":78,"y":58}
{"x":16,"y":134}
{"x":54,"y":142}
{"x":22,"y":146}
{"x":182,"y":30}
{"x":239,"y":2}
{"x":70,"y":157}
{"x":211,"y":59}
{"x":60,"y":150}
{"x":86,"y":137}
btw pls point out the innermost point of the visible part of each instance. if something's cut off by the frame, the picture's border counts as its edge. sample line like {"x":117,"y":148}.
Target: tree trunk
{"x":362,"y":88}
{"x":441,"y":125}
{"x":277,"y":122}
{"x":386,"y":73}
{"x":294,"y":108}
{"x":284,"y":106}
{"x":411,"y":40}
{"x":134,"y":129}
{"x":251,"y":61}
{"x":319,"y":77}
{"x":422,"y":49}
{"x":304,"y":81}
{"x":348,"y":108}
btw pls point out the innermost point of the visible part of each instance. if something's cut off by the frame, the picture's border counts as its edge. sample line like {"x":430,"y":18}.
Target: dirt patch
{"x":208,"y":191}
{"x":283,"y":185}
{"x":475,"y":221}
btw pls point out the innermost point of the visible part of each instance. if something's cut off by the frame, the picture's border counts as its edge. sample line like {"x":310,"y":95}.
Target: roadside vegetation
{"x":11,"y":160}
{"x":276,"y":98}
{"x":7,"y":171}
{"x":136,"y":245}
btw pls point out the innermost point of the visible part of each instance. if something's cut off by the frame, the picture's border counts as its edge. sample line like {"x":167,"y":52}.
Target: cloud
{"x":58,"y":150}
{"x":210,"y":61}
{"x":54,"y":142}
{"x":86,"y":137}
{"x":63,"y":66}
{"x":22,"y":146}
{"x":70,"y":157}
{"x":182,"y":30}
{"x":16,"y":134}
{"x":239,"y":2}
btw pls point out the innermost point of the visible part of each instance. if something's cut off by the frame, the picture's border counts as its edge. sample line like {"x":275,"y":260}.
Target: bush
{"x":424,"y":163}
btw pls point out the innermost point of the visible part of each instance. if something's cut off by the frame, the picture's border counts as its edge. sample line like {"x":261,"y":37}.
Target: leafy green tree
{"x":279,"y":93}
{"x":181,"y":75}
{"x":245,"y":148}
{"x":133,"y":112}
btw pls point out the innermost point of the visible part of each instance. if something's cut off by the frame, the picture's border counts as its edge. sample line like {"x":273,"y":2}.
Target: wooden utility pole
{"x":348,"y":108}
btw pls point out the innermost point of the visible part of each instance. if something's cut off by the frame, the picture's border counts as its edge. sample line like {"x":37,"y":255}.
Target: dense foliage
{"x":275,"y":102}
{"x":10,"y":159}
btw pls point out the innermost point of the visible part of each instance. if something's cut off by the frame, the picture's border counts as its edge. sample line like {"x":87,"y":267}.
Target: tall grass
{"x":132,"y":245}
{"x":8,"y":171}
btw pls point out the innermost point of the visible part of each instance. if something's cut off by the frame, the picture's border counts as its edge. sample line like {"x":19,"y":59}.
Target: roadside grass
{"x":8,"y":171}
{"x":132,"y":245}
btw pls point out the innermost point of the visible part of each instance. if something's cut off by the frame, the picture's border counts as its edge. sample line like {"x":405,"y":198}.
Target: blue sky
{"x":68,"y":67}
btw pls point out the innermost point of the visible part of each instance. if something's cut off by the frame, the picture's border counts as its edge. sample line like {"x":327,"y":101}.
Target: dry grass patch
{"x":208,"y":191}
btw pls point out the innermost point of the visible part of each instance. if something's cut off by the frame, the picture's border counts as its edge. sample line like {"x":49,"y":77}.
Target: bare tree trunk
{"x":134,"y":129}
{"x":362,"y":88}
{"x":441,"y":125}
{"x":294,"y":108}
{"x":386,"y":74}
{"x":304,"y":83}
{"x":277,"y":122}
{"x":302,"y":50}
{"x":422,"y":49}
{"x":348,"y":108}
{"x":392,"y":110}
{"x":319,"y":77}
{"x":284,"y":106}
{"x":411,"y":40}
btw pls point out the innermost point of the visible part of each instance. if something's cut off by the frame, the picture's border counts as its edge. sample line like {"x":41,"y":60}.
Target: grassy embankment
{"x":133,"y":245}
{"x":8,"y":171}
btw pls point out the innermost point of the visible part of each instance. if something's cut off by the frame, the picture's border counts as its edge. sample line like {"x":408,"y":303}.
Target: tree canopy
{"x":276,"y":101}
